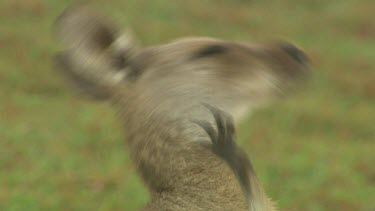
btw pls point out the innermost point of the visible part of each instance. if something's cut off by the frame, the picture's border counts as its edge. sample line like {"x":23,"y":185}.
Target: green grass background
{"x":314,"y":151}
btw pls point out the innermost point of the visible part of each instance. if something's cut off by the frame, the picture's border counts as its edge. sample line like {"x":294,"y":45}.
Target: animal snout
{"x":295,"y":53}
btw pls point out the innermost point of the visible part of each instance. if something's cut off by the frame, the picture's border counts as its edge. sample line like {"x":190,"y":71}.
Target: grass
{"x":313,"y":151}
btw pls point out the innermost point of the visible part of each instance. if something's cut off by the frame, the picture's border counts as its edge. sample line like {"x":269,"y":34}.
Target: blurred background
{"x":313,"y":151}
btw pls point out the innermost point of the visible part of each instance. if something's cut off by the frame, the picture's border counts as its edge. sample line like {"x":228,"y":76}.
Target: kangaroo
{"x":178,"y":103}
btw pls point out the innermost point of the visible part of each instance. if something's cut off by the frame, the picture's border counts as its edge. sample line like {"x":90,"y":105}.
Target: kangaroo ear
{"x":96,"y":55}
{"x":81,"y":27}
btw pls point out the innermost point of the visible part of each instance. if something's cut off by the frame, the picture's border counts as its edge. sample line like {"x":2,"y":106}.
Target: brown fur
{"x":162,"y":92}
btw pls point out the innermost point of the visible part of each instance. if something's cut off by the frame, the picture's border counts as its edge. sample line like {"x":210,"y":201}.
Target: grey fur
{"x":159,"y":90}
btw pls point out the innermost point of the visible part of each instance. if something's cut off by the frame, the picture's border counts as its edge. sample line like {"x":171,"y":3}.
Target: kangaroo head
{"x":101,"y":60}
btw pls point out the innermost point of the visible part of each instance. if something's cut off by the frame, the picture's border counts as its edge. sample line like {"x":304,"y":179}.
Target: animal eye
{"x":210,"y":51}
